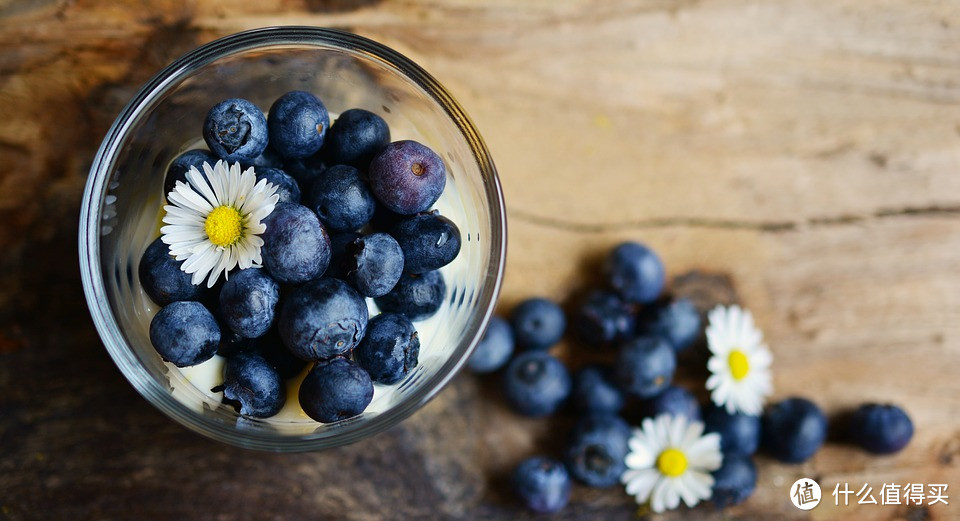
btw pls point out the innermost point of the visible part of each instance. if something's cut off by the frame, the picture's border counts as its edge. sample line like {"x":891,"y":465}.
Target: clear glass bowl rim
{"x":92,"y":208}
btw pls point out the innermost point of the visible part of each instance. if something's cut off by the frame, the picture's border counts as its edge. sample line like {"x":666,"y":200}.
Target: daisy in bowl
{"x":670,"y":459}
{"x":213,"y":222}
{"x":739,"y":364}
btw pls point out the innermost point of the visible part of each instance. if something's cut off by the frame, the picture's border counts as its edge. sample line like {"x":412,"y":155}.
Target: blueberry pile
{"x":353,"y":222}
{"x":634,"y":337}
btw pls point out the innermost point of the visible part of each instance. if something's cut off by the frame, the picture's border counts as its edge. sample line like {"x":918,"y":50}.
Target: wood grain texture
{"x":800,"y":157}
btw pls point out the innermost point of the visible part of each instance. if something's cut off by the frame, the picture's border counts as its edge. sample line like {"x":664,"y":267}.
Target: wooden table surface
{"x":801,"y":157}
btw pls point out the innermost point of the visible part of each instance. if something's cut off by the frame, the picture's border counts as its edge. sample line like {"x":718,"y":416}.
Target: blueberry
{"x":429,"y":241}
{"x":739,"y":433}
{"x":880,"y":429}
{"x":162,"y":279}
{"x":635,"y":271}
{"x":305,"y":170}
{"x":335,"y":390}
{"x":252,"y":386}
{"x":604,"y":318}
{"x":678,"y":322}
{"x":536,"y":384}
{"x":416,"y":296}
{"x":270,"y":346}
{"x":676,"y":401}
{"x":341,"y":254}
{"x":177,"y":171}
{"x":645,"y":366}
{"x":322,"y":319}
{"x":538,"y":323}
{"x":734,"y":481}
{"x":389,"y":349}
{"x":493,"y":351}
{"x":185,"y":333}
{"x":287,"y":187}
{"x":407,"y":177}
{"x":341,"y":199}
{"x":355,"y":137}
{"x":268,"y":159}
{"x":542,"y":484}
{"x":248,"y":301}
{"x":296,"y":247}
{"x":597,"y":448}
{"x":594,"y":391}
{"x":297,"y":124}
{"x":235,"y":130}
{"x":794,"y":429}
{"x":376,"y":264}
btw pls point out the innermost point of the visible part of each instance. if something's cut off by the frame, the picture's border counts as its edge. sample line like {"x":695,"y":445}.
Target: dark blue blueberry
{"x":429,"y":241}
{"x":542,"y":484}
{"x":335,"y":390}
{"x":594,"y":391}
{"x":536,"y":384}
{"x":376,"y":265}
{"x":341,"y":254}
{"x":252,"y":386}
{"x":296,"y":247}
{"x":635,"y":271}
{"x":416,"y":296}
{"x":322,"y":319}
{"x":162,"y":278}
{"x":341,"y":199}
{"x":734,"y":481}
{"x":678,"y":322}
{"x":305,"y":170}
{"x":287,"y":187}
{"x":177,"y":171}
{"x":676,"y":401}
{"x":794,"y":429}
{"x":235,"y":130}
{"x":185,"y":333}
{"x":298,"y":122}
{"x":538,"y":323}
{"x":493,"y":351}
{"x":355,"y":138}
{"x":739,"y":433}
{"x":248,"y":301}
{"x":272,"y":349}
{"x":645,"y":366}
{"x":880,"y":429}
{"x":390,"y":349}
{"x":407,"y":177}
{"x":597,"y":448}
{"x":268,"y":159}
{"x":604,"y":318}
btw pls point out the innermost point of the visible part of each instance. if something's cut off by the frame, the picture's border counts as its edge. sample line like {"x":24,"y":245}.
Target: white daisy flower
{"x":671,"y":459}
{"x":740,"y":377}
{"x":213,"y":224}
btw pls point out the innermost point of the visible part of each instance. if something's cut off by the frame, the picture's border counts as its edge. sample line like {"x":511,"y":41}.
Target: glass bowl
{"x":122,"y":206}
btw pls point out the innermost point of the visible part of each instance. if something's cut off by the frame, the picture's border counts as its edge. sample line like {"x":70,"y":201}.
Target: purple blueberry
{"x":407,"y":177}
{"x":734,"y":481}
{"x":375,"y":264}
{"x":542,"y":484}
{"x":355,"y":138}
{"x":645,"y":366}
{"x":416,"y":296}
{"x":296,"y":247}
{"x":675,"y":401}
{"x":341,"y":254}
{"x":252,"y":386}
{"x":880,"y":429}
{"x":493,"y":351}
{"x":297,"y":124}
{"x":594,"y":391}
{"x":597,"y":448}
{"x":177,"y":171}
{"x":678,"y":322}
{"x":739,"y":433}
{"x":162,"y":279}
{"x":390,"y":348}
{"x":287,"y":187}
{"x":335,"y":390}
{"x":248,"y":300}
{"x":322,"y":319}
{"x":794,"y":429}
{"x":185,"y":333}
{"x":536,"y":384}
{"x":429,"y":241}
{"x":341,"y":199}
{"x":635,"y":271}
{"x":603,"y":319}
{"x":235,"y":130}
{"x":538,"y":323}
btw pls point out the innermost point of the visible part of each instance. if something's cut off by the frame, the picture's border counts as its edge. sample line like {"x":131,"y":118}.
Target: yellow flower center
{"x":224,"y":226}
{"x":739,"y":364}
{"x":672,"y":462}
